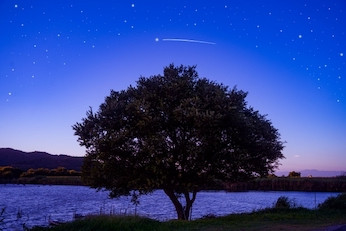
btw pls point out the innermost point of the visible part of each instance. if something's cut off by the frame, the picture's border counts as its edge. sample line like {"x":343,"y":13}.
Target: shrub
{"x":338,"y":202}
{"x":8,"y":172}
{"x":284,"y":203}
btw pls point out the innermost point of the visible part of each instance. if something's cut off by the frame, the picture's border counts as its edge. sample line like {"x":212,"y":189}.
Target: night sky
{"x":57,"y":58}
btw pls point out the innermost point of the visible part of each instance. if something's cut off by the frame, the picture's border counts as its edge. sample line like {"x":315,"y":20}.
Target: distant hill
{"x":26,"y":160}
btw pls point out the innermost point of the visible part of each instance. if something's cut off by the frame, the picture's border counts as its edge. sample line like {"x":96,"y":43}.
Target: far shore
{"x":307,"y":184}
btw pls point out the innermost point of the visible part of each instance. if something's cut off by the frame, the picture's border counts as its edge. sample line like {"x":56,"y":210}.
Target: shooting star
{"x":187,"y":40}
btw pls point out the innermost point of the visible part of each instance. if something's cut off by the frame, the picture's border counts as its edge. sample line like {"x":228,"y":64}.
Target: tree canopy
{"x":176,"y":132}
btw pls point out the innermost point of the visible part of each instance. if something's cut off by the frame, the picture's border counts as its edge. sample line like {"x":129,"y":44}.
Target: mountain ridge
{"x":38,"y":159}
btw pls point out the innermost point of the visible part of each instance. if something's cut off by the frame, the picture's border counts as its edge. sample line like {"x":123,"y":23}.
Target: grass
{"x":299,"y":219}
{"x":284,"y":216}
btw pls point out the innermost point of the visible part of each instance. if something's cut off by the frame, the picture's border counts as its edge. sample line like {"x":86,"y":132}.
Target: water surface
{"x":31,"y":205}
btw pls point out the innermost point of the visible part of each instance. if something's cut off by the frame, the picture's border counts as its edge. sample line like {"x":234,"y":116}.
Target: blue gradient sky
{"x":57,"y":58}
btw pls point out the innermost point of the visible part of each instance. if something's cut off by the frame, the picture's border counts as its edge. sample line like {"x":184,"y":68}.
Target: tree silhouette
{"x":175,"y":132}
{"x":294,"y":174}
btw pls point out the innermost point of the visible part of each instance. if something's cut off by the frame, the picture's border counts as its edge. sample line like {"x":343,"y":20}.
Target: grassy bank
{"x":270,"y":219}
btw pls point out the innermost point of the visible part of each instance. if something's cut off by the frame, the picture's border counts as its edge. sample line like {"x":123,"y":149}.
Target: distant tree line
{"x":60,"y":171}
{"x":291,"y":183}
{"x":9,"y":174}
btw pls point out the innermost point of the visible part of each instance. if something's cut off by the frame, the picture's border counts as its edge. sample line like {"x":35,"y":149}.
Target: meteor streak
{"x":187,"y":40}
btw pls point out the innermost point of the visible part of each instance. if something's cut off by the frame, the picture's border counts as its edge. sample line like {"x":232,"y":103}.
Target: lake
{"x":37,"y":204}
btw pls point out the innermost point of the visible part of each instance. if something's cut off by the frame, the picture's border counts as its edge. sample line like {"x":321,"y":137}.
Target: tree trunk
{"x":178,"y":207}
{"x":189,"y":202}
{"x":183,"y":212}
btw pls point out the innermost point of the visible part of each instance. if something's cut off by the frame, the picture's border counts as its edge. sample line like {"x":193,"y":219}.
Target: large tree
{"x":175,"y":132}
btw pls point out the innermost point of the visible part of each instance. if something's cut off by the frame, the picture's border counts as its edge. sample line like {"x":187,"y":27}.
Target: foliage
{"x":271,"y":176}
{"x":9,"y":172}
{"x":338,"y":202}
{"x":294,"y":174}
{"x":59,"y":176}
{"x":60,"y":171}
{"x":284,"y":203}
{"x":177,"y":132}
